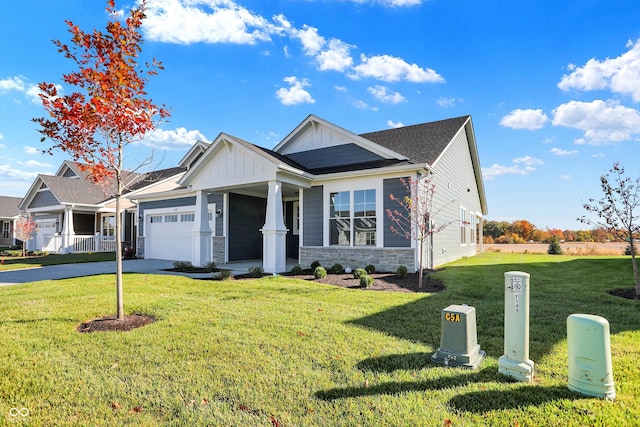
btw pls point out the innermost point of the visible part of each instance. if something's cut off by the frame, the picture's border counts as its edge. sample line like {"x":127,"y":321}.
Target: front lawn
{"x":14,"y":263}
{"x":285,"y":352}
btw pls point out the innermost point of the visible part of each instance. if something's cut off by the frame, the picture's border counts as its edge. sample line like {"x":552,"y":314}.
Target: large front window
{"x":6,"y":229}
{"x":357,"y":219}
{"x":108,"y":226}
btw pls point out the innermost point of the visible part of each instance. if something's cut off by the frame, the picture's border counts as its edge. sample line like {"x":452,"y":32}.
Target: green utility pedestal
{"x":458,"y":338}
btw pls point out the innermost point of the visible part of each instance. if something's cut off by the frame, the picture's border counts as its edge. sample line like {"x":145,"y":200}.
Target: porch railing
{"x":79,"y":244}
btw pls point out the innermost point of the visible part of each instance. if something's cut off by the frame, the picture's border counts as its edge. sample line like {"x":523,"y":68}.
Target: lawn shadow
{"x":521,"y":397}
{"x":466,"y":377}
{"x":395,"y":362}
{"x":552,"y":300}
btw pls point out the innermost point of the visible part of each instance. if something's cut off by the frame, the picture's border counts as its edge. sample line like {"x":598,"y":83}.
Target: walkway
{"x":149,"y":266}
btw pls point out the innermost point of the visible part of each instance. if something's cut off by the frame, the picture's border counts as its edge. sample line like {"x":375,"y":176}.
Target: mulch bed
{"x":628,"y":293}
{"x":104,"y":324}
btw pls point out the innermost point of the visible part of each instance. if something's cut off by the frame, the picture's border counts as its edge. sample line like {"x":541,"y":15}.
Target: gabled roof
{"x":73,"y":190}
{"x":9,"y":206}
{"x":422,"y":143}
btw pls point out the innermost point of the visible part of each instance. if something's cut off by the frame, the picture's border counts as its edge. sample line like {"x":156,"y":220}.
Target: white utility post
{"x":515,"y":361}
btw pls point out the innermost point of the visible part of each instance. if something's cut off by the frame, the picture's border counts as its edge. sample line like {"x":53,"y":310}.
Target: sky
{"x":553,"y":87}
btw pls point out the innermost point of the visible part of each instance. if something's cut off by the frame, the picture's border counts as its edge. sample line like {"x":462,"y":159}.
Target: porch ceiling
{"x":260,"y":189}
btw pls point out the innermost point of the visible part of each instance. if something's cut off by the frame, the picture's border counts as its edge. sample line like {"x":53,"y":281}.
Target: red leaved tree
{"x":109,"y":111}
{"x":24,"y":229}
{"x":618,"y":212}
{"x":414,"y":218}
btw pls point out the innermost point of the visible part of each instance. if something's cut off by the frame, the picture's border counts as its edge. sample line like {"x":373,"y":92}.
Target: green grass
{"x":14,"y":263}
{"x":244,"y":353}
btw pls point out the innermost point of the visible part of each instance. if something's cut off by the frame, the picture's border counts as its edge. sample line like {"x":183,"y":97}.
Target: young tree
{"x":617,"y":211}
{"x":109,"y":112}
{"x":25,"y":227}
{"x":415,"y":217}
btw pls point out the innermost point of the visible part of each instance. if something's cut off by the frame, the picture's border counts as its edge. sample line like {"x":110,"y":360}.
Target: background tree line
{"x":522,"y":231}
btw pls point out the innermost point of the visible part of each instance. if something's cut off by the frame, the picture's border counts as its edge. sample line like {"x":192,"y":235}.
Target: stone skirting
{"x":383,"y":259}
{"x":218,"y":249}
{"x":140,"y":247}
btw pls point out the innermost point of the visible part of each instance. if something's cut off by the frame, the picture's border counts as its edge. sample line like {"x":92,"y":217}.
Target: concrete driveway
{"x":64,"y":271}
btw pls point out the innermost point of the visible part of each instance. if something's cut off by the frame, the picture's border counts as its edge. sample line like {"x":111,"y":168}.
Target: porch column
{"x":201,"y":233}
{"x":68,"y":233}
{"x":274,"y":256}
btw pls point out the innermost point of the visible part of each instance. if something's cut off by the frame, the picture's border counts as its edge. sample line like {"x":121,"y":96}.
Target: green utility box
{"x":458,"y":338}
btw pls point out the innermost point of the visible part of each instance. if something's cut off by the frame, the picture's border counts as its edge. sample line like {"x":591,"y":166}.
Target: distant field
{"x":610,"y":248}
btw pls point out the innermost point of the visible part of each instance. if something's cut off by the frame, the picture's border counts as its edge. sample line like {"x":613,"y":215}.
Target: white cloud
{"x":12,"y":83}
{"x":566,"y":177}
{"x":32,"y":150}
{"x":561,"y":152}
{"x":339,"y":88}
{"x":311,"y":41}
{"x":391,"y":69}
{"x":336,"y":57}
{"x":600,"y":121}
{"x":620,"y":75}
{"x":380,"y":93}
{"x":448,"y":102}
{"x":391,"y":3}
{"x":521,"y":166}
{"x":524,"y":119}
{"x":35,"y":164}
{"x":394,"y":125}
{"x":176,"y":139}
{"x":295,"y":94}
{"x":8,"y":172}
{"x":208,"y":21}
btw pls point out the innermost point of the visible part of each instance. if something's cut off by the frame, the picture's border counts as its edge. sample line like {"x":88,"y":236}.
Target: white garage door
{"x":168,"y":236}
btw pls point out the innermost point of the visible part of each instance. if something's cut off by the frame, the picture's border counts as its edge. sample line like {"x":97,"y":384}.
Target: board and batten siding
{"x":312,"y":221}
{"x":396,"y":187}
{"x":456,"y":188}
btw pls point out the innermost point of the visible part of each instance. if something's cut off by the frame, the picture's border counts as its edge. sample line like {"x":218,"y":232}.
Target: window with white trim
{"x":352,"y":225}
{"x":296,"y":218}
{"x":108,"y":226}
{"x":155,"y":219}
{"x":472,"y":228}
{"x":6,"y":228}
{"x":188,"y":217}
{"x":171,"y":218}
{"x":463,"y":226}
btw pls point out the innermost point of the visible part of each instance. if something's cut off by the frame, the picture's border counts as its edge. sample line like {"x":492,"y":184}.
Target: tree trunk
{"x":420,"y":269}
{"x":119,"y":296}
{"x":634,"y":262}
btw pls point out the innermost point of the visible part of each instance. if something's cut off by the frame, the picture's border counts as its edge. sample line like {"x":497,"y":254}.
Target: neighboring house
{"x":320,"y":194}
{"x":73,"y":214}
{"x":9,"y":214}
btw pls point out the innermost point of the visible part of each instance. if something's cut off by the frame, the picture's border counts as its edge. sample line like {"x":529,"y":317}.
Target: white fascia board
{"x":163,"y":195}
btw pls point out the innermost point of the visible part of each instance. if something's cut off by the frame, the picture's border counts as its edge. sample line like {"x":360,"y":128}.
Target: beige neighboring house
{"x":9,"y":214}
{"x":74,"y":215}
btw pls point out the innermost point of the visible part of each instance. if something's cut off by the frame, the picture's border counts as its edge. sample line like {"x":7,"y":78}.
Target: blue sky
{"x":553,"y":87}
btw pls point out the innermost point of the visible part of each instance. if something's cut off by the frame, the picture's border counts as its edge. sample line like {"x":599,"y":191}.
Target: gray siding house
{"x":9,"y":214}
{"x":74,"y":215}
{"x":320,"y":195}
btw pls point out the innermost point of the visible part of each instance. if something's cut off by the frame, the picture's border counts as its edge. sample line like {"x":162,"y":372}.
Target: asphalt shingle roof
{"x":9,"y":206}
{"x":422,"y":143}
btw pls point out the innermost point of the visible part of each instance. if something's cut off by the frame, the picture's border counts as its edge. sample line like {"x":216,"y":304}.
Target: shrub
{"x":211,"y":267}
{"x":128,"y":253}
{"x":370,"y":269}
{"x":366,"y":281}
{"x":296,"y":269}
{"x":359,"y":272}
{"x":315,"y":264}
{"x":402,"y":271}
{"x":337,"y":268}
{"x":182,"y":266}
{"x":554,"y":247}
{"x":256,"y":272}
{"x":224,"y":275}
{"x":319,"y":272}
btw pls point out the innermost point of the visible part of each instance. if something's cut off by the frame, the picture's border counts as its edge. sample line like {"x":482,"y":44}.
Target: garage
{"x":168,"y":235}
